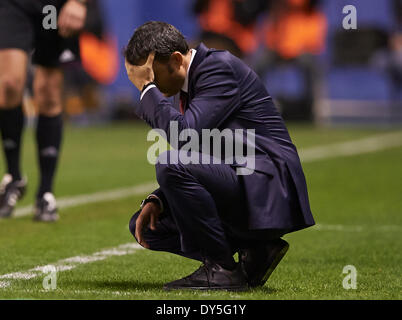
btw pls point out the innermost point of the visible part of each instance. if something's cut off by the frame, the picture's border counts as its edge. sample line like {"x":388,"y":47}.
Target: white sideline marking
{"x":354,"y":147}
{"x":70,"y":263}
{"x":337,"y":227}
{"x":74,"y":201}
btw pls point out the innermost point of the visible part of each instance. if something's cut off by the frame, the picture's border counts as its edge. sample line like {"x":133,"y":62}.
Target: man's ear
{"x":176,"y":60}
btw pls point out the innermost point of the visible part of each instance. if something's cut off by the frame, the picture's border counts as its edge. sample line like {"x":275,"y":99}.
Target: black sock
{"x":48,"y":136}
{"x":11,"y":125}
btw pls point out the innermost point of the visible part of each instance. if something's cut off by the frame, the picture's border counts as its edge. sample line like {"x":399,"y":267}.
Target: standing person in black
{"x":22,"y":33}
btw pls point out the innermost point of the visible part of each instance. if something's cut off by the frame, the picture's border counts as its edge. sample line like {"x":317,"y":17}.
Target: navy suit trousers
{"x":205,"y":213}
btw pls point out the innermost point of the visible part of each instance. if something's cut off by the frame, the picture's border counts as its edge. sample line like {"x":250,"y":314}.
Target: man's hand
{"x":71,"y":18}
{"x":148,"y":217}
{"x":141,"y":75}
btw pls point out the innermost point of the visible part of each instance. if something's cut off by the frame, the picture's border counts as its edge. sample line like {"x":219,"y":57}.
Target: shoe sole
{"x":272,"y":267}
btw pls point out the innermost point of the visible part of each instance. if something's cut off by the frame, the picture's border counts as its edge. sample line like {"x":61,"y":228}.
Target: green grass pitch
{"x":356,"y":201}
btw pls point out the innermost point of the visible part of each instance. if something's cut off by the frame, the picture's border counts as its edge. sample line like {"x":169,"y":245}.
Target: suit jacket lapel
{"x":202,"y":51}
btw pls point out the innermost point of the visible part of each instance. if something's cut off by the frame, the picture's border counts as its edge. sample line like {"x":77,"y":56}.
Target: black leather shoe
{"x":258,"y":263}
{"x":211,"y":276}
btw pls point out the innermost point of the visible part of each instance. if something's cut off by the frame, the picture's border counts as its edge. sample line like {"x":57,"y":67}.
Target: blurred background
{"x":315,"y":69}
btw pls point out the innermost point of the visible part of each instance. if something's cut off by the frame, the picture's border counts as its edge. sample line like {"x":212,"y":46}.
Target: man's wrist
{"x":154,"y":199}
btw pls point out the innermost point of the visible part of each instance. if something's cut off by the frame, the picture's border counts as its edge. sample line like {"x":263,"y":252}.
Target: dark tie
{"x":183,"y":101}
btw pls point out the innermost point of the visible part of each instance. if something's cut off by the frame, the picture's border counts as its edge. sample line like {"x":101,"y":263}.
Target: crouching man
{"x":207,"y":211}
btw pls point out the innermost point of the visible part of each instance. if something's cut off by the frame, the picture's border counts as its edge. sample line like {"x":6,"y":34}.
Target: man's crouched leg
{"x":165,"y":238}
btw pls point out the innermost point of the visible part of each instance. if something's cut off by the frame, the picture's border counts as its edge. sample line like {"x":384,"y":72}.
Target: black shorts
{"x":21,"y":29}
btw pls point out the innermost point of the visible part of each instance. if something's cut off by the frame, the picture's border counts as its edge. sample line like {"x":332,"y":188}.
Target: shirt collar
{"x":185,"y":85}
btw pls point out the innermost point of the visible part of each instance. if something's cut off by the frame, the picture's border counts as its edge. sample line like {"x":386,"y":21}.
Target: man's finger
{"x":61,"y":19}
{"x":142,"y":223}
{"x":141,"y":241}
{"x":152,"y":225}
{"x":154,"y":221}
{"x":138,"y":234}
{"x":145,"y":245}
{"x":138,"y":229}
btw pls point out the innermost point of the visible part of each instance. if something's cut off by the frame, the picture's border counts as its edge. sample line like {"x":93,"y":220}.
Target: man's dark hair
{"x":160,"y":37}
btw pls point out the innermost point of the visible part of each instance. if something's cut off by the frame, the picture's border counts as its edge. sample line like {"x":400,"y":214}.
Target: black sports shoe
{"x":211,"y":276}
{"x":10,"y":192}
{"x":46,"y":209}
{"x":259,"y":263}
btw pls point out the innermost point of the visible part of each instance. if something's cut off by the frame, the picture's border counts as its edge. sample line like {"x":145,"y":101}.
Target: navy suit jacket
{"x":224,"y":93}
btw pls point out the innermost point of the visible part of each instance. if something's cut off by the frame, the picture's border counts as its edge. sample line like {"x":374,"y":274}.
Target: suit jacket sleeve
{"x":216,"y":97}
